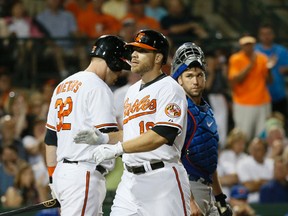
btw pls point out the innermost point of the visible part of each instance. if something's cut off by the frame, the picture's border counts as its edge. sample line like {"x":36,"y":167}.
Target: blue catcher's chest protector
{"x":200,"y":151}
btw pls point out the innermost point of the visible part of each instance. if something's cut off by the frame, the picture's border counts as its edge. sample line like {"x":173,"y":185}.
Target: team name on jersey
{"x":72,"y":85}
{"x":140,"y":107}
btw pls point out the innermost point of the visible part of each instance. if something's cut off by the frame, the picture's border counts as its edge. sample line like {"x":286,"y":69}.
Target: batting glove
{"x":224,"y":208}
{"x":106,"y":152}
{"x":91,"y":137}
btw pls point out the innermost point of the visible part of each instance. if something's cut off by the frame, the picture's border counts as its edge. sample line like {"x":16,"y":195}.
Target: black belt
{"x":141,"y":169}
{"x":200,"y":179}
{"x":99,"y":168}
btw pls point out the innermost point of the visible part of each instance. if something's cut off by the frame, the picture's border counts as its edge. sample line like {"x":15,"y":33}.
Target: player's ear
{"x":159,"y":58}
{"x":179,"y":80}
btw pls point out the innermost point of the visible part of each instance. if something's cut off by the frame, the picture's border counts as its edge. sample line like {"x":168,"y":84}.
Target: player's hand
{"x":195,"y":209}
{"x":106,"y":152}
{"x":224,"y":208}
{"x":52,"y":191}
{"x":91,"y":137}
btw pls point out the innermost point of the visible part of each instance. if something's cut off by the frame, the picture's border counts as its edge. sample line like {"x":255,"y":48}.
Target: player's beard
{"x":194,"y":93}
{"x":143,"y":68}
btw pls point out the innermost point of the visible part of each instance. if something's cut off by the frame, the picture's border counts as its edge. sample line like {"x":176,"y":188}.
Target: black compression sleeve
{"x":170,"y":133}
{"x":51,"y":137}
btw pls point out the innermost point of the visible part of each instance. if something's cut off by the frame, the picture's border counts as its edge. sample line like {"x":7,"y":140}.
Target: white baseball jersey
{"x":162,"y":103}
{"x":82,"y":101}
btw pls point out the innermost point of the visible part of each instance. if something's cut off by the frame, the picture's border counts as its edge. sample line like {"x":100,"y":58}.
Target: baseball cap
{"x":247,"y":40}
{"x":239,"y":192}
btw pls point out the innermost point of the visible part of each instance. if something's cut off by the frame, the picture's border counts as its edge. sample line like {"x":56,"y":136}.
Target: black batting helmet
{"x":112,"y":49}
{"x":152,"y":40}
{"x":187,"y":55}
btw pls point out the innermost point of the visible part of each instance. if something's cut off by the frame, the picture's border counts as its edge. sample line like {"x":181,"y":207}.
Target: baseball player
{"x":154,"y":182}
{"x":83,"y":100}
{"x":199,"y":154}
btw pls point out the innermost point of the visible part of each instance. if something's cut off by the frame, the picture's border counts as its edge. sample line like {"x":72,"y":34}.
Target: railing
{"x":30,"y":65}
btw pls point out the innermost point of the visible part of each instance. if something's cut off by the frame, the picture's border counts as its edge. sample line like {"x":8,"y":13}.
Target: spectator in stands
{"x":275,"y":119}
{"x":76,"y":7}
{"x":180,"y":25}
{"x":276,"y":140}
{"x":116,"y":8}
{"x":34,"y":146}
{"x":19,"y":24}
{"x":276,"y":190}
{"x":128,"y":30}
{"x":59,"y":23}
{"x":17,"y":107}
{"x":7,"y":131}
{"x":229,"y":159}
{"x":155,"y":9}
{"x":255,"y":170}
{"x":217,"y":90}
{"x":238,"y":201}
{"x":248,"y":75}
{"x":26,"y":190}
{"x":136,"y":13}
{"x":9,"y":166}
{"x":47,"y":90}
{"x":278,"y":58}
{"x":20,"y":29}
{"x":95,"y":23}
{"x":36,"y":107}
{"x":5,"y":88}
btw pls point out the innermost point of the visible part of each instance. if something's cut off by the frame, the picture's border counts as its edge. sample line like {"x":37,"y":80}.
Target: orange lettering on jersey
{"x":72,"y":85}
{"x":59,"y":88}
{"x":141,"y":107}
{"x":77,"y":87}
{"x":64,"y":87}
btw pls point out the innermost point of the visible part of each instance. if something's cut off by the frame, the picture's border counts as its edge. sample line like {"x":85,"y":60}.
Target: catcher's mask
{"x":187,"y":55}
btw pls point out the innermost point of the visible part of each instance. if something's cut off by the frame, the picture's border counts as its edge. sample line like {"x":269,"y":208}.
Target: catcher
{"x":200,"y":150}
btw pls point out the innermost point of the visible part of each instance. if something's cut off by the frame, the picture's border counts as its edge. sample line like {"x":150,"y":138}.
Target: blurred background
{"x":44,"y":41}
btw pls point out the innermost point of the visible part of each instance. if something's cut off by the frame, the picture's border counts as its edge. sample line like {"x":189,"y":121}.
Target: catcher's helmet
{"x":187,"y":55}
{"x":152,"y":40}
{"x":112,"y":49}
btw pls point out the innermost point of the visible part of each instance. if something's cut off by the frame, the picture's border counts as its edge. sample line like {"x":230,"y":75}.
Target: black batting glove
{"x":224,"y":208}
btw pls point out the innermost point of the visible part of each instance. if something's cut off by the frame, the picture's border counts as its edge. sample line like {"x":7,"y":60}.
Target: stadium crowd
{"x":44,"y":41}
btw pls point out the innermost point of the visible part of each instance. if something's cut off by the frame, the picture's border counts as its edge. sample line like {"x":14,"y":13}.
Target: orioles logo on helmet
{"x":139,"y":37}
{"x":93,"y":49}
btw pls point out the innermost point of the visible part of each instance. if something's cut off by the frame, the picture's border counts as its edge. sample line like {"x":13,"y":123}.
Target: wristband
{"x":221,"y":198}
{"x":50,"y":172}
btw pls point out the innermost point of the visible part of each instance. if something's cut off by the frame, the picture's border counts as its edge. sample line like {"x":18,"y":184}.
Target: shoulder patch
{"x":172,"y":110}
